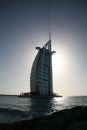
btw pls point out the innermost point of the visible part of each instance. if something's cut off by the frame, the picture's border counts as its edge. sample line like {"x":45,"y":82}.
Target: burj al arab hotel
{"x":41,"y":81}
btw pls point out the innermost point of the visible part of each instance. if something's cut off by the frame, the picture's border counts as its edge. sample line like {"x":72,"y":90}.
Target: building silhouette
{"x":41,"y":80}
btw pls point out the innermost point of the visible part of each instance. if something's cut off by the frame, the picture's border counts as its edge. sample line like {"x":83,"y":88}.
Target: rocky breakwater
{"x":67,"y":119}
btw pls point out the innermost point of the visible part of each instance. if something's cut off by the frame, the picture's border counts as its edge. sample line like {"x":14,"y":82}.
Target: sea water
{"x":13,"y":108}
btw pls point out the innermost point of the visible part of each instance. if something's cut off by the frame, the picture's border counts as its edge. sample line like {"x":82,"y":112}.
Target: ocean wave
{"x":13,"y":112}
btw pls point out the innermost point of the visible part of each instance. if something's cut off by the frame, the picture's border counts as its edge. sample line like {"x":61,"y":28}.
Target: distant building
{"x":41,"y":81}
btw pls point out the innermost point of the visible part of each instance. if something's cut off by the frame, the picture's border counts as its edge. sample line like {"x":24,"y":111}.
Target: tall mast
{"x":49,"y":45}
{"x":49,"y":36}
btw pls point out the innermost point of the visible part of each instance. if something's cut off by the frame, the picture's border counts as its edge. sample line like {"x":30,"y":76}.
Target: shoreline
{"x":66,"y":119}
{"x":36,"y":96}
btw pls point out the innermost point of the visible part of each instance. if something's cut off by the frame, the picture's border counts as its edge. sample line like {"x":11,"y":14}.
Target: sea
{"x":14,"y":108}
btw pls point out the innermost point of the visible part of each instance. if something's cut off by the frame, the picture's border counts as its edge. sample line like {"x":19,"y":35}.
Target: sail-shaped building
{"x":41,"y":81}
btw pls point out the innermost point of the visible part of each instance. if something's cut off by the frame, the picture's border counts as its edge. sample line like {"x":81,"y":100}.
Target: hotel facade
{"x":41,"y":80}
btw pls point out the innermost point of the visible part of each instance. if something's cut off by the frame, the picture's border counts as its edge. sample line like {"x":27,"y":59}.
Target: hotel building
{"x":41,"y":81}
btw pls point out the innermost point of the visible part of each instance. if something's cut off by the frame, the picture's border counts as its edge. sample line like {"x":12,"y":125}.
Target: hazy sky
{"x":25,"y":24}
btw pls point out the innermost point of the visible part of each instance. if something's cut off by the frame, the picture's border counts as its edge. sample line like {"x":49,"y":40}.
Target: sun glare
{"x":57,"y":61}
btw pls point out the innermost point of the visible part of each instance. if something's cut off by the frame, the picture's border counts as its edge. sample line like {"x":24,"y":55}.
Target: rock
{"x":79,"y":126}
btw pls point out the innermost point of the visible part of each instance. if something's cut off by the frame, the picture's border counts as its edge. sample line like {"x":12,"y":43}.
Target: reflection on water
{"x":59,"y":103}
{"x":40,"y":106}
{"x":45,"y":106}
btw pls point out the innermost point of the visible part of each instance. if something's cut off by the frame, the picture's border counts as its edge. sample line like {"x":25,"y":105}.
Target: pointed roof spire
{"x":49,"y":36}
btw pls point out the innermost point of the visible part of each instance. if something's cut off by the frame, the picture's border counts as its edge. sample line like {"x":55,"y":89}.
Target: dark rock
{"x":79,"y":126}
{"x":68,"y":119}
